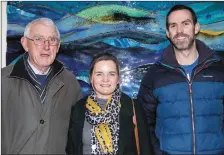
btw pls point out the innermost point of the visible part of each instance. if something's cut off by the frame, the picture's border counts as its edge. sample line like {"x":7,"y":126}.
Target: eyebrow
{"x":187,"y":20}
{"x":109,"y":72}
{"x":37,"y":35}
{"x":113,"y":72}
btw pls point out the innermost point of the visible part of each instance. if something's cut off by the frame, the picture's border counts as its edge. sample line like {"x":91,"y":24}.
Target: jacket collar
{"x":19,"y":69}
{"x":169,"y":57}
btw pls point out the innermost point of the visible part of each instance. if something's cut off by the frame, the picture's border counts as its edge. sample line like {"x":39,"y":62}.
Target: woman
{"x":102,"y":123}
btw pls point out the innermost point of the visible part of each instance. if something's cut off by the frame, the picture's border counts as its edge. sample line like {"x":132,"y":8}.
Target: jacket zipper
{"x":191,"y":99}
{"x":192,"y":117}
{"x":189,"y":82}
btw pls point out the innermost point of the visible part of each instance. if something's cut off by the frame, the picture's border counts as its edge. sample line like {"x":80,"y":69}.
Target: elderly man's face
{"x":41,"y":56}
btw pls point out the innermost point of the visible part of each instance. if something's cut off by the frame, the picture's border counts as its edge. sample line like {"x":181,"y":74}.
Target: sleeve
{"x":6,"y":123}
{"x":149,"y":104}
{"x":78,"y":91}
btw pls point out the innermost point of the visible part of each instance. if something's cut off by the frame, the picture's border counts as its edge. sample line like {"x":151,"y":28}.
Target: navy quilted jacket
{"x":185,"y":116}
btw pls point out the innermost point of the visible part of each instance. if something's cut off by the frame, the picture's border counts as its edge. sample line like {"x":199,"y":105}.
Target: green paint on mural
{"x":105,"y":13}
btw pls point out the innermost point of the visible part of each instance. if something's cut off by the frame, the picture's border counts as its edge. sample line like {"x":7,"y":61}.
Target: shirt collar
{"x":36,"y":71}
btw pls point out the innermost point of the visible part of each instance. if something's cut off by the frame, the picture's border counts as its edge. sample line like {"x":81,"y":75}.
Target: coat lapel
{"x":53,"y":88}
{"x":126,"y":123}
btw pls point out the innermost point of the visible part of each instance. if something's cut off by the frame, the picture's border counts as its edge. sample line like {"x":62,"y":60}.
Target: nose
{"x":179,"y":29}
{"x":105,"y":78}
{"x":46,"y":45}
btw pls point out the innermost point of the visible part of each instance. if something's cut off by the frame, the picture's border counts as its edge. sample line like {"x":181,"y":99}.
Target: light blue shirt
{"x":188,"y":68}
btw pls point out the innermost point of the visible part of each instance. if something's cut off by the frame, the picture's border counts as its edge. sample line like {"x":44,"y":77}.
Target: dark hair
{"x":101,"y":57}
{"x":181,"y":7}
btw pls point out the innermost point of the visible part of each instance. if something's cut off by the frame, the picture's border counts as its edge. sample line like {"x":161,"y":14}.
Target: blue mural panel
{"x":131,"y":30}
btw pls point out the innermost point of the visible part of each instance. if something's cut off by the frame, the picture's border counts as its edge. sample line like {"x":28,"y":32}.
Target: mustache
{"x":180,"y":35}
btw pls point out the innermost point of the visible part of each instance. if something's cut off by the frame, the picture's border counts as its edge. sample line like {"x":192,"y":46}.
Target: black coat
{"x":126,"y":143}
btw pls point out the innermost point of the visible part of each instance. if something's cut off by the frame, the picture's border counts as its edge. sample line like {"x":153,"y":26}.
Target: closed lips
{"x":44,"y":55}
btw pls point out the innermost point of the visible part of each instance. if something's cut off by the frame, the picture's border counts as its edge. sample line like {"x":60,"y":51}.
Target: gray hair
{"x":44,"y":21}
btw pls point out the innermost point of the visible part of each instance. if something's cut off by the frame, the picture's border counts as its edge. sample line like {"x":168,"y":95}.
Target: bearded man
{"x":183,"y":93}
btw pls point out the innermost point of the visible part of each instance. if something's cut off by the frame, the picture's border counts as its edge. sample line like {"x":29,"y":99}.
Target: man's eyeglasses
{"x":41,"y":41}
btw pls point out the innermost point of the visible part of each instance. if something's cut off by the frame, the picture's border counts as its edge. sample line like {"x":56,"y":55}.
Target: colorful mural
{"x":133,"y":31}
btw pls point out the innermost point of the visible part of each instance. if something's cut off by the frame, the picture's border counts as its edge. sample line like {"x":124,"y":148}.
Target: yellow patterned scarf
{"x":105,"y":123}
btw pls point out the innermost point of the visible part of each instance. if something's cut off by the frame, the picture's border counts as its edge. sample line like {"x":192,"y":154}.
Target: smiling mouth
{"x":181,"y":38}
{"x":105,"y":85}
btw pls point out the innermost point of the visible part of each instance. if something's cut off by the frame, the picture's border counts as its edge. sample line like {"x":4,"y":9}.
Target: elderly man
{"x":183,"y":93}
{"x":37,"y":95}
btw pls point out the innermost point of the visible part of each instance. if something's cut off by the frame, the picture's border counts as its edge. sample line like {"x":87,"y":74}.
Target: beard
{"x":181,"y":45}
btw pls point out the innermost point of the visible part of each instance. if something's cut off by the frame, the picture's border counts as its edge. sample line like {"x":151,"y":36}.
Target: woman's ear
{"x":118,"y":85}
{"x":90,"y":79}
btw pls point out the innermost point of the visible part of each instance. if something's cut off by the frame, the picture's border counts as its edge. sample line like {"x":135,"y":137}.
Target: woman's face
{"x":104,"y":78}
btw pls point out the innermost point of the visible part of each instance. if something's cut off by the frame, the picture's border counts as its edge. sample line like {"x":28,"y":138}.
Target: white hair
{"x":44,"y":21}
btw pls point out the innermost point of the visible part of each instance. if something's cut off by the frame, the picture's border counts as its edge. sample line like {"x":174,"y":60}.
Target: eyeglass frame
{"x":58,"y":41}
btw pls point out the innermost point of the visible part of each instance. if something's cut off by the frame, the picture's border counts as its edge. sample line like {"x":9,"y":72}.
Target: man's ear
{"x":197,"y":28}
{"x":167,"y":34}
{"x":24,"y":43}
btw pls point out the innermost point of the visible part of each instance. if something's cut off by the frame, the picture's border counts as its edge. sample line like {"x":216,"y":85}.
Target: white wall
{"x":3,"y":20}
